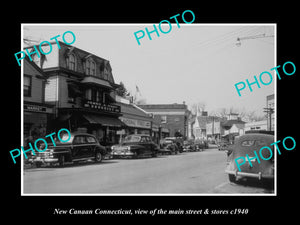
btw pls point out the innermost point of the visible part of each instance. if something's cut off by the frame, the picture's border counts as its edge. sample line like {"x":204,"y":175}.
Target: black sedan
{"x":135,"y":146}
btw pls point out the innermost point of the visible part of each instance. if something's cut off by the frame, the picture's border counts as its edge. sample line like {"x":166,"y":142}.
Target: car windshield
{"x":132,"y":138}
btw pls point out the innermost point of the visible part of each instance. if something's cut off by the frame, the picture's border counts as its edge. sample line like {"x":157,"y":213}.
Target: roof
{"x":164,"y":106}
{"x":228,"y":123}
{"x":28,"y":63}
{"x":131,"y":111}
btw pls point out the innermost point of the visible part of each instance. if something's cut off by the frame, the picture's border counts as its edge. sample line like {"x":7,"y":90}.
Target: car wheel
{"x":62,"y":161}
{"x":38,"y":164}
{"x":98,"y":156}
{"x":231,"y":178}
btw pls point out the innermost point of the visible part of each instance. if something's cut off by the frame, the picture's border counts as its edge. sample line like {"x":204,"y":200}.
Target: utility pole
{"x":269,"y":112}
{"x":239,"y":39}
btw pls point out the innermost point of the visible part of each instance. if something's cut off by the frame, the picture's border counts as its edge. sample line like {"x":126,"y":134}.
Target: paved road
{"x":185,"y":173}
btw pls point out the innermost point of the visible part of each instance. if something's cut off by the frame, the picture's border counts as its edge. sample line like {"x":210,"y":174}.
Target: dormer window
{"x":90,"y":67}
{"x":71,"y":62}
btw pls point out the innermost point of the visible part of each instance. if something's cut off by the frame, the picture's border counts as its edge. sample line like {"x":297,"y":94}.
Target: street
{"x":185,"y":173}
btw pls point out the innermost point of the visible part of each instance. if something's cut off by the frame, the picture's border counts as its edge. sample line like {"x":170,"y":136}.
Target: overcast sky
{"x":193,"y":63}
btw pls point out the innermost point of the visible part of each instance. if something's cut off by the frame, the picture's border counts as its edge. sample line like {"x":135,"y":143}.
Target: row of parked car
{"x":83,"y":146}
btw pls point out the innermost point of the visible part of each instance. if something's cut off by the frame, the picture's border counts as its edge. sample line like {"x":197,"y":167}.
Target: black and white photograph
{"x":159,"y":115}
{"x":125,"y":112}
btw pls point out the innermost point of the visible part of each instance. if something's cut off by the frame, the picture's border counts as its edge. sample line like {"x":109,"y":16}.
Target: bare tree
{"x":199,"y":106}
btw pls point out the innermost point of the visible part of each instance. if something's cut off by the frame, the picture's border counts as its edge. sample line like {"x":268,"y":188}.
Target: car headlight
{"x":112,"y":147}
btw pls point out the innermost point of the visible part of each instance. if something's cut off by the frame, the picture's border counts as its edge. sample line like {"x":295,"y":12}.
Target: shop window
{"x":27,"y":86}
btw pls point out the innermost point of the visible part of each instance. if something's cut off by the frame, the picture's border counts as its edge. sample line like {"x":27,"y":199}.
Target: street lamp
{"x":239,"y":43}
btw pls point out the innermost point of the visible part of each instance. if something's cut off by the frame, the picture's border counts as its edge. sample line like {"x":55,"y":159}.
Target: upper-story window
{"x":71,"y":62}
{"x":27,"y":86}
{"x":90,"y":67}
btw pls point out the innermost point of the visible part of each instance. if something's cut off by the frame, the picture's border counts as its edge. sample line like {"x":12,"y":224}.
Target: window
{"x":248,"y":143}
{"x":96,"y":95}
{"x":27,"y":86}
{"x":163,"y":119}
{"x":90,"y":139}
{"x":71,"y":62}
{"x":79,"y":140}
{"x":143,"y":139}
{"x":90,"y":67}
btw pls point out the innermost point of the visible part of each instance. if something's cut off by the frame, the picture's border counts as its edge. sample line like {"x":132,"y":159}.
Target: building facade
{"x":172,"y":118}
{"x":36,"y":113}
{"x":81,"y":88}
{"x":261,"y":125}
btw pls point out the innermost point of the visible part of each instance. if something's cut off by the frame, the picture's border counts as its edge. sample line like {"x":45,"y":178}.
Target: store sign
{"x":34,"y":108}
{"x":103,"y":107}
{"x":136,"y":123}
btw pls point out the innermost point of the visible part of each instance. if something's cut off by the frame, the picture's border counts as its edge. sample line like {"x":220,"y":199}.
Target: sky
{"x":193,"y":63}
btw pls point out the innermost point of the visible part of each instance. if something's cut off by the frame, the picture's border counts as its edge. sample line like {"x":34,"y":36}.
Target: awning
{"x":104,"y":120}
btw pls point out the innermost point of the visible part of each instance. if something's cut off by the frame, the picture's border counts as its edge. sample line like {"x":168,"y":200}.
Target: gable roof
{"x":31,"y":68}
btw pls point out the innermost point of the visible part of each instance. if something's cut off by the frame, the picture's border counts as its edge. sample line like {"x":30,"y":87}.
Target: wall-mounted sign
{"x":136,"y":123}
{"x":102,"y":106}
{"x":34,"y":108}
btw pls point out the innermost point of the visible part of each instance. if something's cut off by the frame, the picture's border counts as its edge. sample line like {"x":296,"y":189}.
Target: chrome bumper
{"x":255,"y":175}
{"x":125,"y":153}
{"x":43,"y":160}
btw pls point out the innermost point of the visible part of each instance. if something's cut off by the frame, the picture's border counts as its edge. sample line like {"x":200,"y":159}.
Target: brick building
{"x":173,"y":117}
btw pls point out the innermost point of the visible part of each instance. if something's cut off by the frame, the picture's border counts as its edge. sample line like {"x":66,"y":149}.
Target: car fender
{"x":101,"y":149}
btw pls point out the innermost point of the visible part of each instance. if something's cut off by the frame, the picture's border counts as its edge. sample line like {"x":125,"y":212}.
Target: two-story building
{"x":81,"y":88}
{"x":36,"y":113}
{"x":173,"y":117}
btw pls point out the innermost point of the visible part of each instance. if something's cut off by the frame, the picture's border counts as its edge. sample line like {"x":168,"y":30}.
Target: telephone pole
{"x":269,"y":112}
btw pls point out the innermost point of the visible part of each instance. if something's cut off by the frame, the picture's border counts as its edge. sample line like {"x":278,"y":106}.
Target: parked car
{"x":170,"y":145}
{"x":178,"y":141}
{"x":134,"y":146}
{"x":226,"y":141}
{"x":79,"y":147}
{"x":247,"y":144}
{"x":188,"y":145}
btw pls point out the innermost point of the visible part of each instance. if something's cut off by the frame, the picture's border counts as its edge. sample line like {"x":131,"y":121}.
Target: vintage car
{"x":247,"y":144}
{"x":135,"y":146}
{"x":79,"y":147}
{"x":170,"y":145}
{"x":188,"y":145}
{"x":177,"y":140}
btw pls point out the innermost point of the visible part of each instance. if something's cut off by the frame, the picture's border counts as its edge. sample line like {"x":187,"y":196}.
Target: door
{"x":81,"y":149}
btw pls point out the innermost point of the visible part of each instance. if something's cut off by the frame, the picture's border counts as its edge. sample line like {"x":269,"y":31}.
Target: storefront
{"x":36,"y":119}
{"x":136,"y":126}
{"x":98,"y":119}
{"x":135,"y":119}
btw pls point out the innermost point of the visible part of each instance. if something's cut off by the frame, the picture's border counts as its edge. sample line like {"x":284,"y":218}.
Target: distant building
{"x":236,"y":126}
{"x":173,"y":117}
{"x":257,"y":125}
{"x":199,"y":125}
